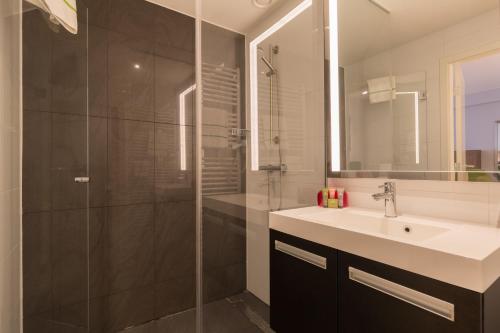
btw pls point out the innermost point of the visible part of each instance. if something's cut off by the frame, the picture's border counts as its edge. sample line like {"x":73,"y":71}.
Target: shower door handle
{"x":82,"y":179}
{"x":273,"y":167}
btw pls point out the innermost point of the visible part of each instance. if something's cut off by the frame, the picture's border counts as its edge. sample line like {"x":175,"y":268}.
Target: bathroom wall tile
{"x":135,"y":18}
{"x":98,"y":71}
{"x":37,"y":133}
{"x":174,"y":36}
{"x":130,"y":77}
{"x":98,"y":12}
{"x":116,"y":312}
{"x":36,"y":70}
{"x":175,"y":295}
{"x":224,"y":282}
{"x":47,"y":325}
{"x":37,"y":271}
{"x":224,"y":239}
{"x":175,"y":239}
{"x":74,"y":317}
{"x":68,"y":77}
{"x":425,"y":185}
{"x":216,"y":39}
{"x":172,"y":183}
{"x":68,"y":160}
{"x":122,"y":256}
{"x":470,"y":188}
{"x":213,"y":236}
{"x":69,"y":257}
{"x":98,"y":161}
{"x":131,"y":162}
{"x":171,"y":79}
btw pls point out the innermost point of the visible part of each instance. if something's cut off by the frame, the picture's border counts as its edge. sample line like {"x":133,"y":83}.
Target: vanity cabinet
{"x":303,"y":285}
{"x":320,"y":289}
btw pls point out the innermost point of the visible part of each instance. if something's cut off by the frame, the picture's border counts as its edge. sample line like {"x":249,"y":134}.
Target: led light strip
{"x":182,"y":123}
{"x":254,"y":96}
{"x":334,"y":87}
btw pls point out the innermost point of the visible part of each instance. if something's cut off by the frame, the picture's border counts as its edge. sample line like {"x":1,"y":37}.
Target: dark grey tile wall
{"x":121,"y":251}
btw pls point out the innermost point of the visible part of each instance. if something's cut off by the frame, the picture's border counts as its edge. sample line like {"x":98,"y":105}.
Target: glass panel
{"x":128,"y":261}
{"x":142,"y":230}
{"x":262,"y":145}
{"x":55,"y":154}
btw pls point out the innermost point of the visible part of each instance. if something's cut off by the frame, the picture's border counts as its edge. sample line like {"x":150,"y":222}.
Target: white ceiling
{"x":236,"y":15}
{"x":365,"y":30}
{"x":478,"y":74}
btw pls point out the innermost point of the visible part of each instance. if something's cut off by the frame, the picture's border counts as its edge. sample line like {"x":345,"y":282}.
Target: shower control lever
{"x":82,"y":179}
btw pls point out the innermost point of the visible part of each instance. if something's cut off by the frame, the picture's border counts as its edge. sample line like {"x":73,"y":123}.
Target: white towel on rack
{"x":63,"y":12}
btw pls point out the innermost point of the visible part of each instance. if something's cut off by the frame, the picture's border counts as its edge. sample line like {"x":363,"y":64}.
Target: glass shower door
{"x":262,"y":147}
{"x":55,"y":171}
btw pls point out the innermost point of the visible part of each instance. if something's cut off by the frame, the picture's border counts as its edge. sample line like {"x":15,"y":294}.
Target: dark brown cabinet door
{"x":303,"y":285}
{"x":371,"y":301}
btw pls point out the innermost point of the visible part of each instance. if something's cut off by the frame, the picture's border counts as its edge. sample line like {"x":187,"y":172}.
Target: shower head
{"x":272,"y":70}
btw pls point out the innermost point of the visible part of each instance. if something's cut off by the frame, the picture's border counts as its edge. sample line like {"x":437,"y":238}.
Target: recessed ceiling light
{"x":262,"y":3}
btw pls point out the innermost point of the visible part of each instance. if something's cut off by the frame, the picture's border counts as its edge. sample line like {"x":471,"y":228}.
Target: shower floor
{"x":243,"y":313}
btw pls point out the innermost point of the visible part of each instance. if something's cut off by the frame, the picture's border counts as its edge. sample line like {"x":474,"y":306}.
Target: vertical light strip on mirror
{"x":254,"y":95}
{"x":182,"y":125}
{"x":417,"y":121}
{"x":334,"y":87}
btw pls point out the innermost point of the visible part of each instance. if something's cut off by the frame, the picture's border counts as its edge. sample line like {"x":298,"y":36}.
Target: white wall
{"x":10,"y":87}
{"x":421,"y":55}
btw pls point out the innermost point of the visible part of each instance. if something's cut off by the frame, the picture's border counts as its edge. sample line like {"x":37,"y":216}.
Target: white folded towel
{"x":61,"y":11}
{"x":382,"y":89}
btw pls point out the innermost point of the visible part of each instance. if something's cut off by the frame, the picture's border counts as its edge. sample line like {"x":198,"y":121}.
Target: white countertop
{"x":464,"y":255}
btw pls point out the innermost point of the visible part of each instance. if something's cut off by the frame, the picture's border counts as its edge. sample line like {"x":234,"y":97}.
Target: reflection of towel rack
{"x":221,"y":172}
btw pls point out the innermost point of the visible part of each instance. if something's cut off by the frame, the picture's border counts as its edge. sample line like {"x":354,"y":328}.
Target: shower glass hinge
{"x":82,"y":179}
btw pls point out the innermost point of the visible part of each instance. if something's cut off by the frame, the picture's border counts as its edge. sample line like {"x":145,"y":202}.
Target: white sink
{"x":375,"y":223}
{"x":462,"y":254}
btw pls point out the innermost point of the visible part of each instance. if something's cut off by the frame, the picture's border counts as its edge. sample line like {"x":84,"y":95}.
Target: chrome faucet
{"x":389,"y":195}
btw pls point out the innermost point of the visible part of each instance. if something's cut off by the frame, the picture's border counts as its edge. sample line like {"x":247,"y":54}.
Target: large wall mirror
{"x":419,"y":89}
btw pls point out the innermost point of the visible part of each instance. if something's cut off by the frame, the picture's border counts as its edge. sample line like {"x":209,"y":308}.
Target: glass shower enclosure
{"x":156,"y":142}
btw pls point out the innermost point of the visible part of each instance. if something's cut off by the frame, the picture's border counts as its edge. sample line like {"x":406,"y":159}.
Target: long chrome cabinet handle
{"x":411,"y":296}
{"x":303,"y":255}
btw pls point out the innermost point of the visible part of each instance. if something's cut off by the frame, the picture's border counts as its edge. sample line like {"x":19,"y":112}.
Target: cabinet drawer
{"x":303,"y":285}
{"x":374,"y":297}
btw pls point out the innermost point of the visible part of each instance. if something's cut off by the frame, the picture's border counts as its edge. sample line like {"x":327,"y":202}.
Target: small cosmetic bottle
{"x":340,"y":195}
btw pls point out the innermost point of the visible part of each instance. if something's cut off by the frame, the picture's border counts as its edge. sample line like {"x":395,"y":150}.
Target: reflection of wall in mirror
{"x":372,"y":145}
